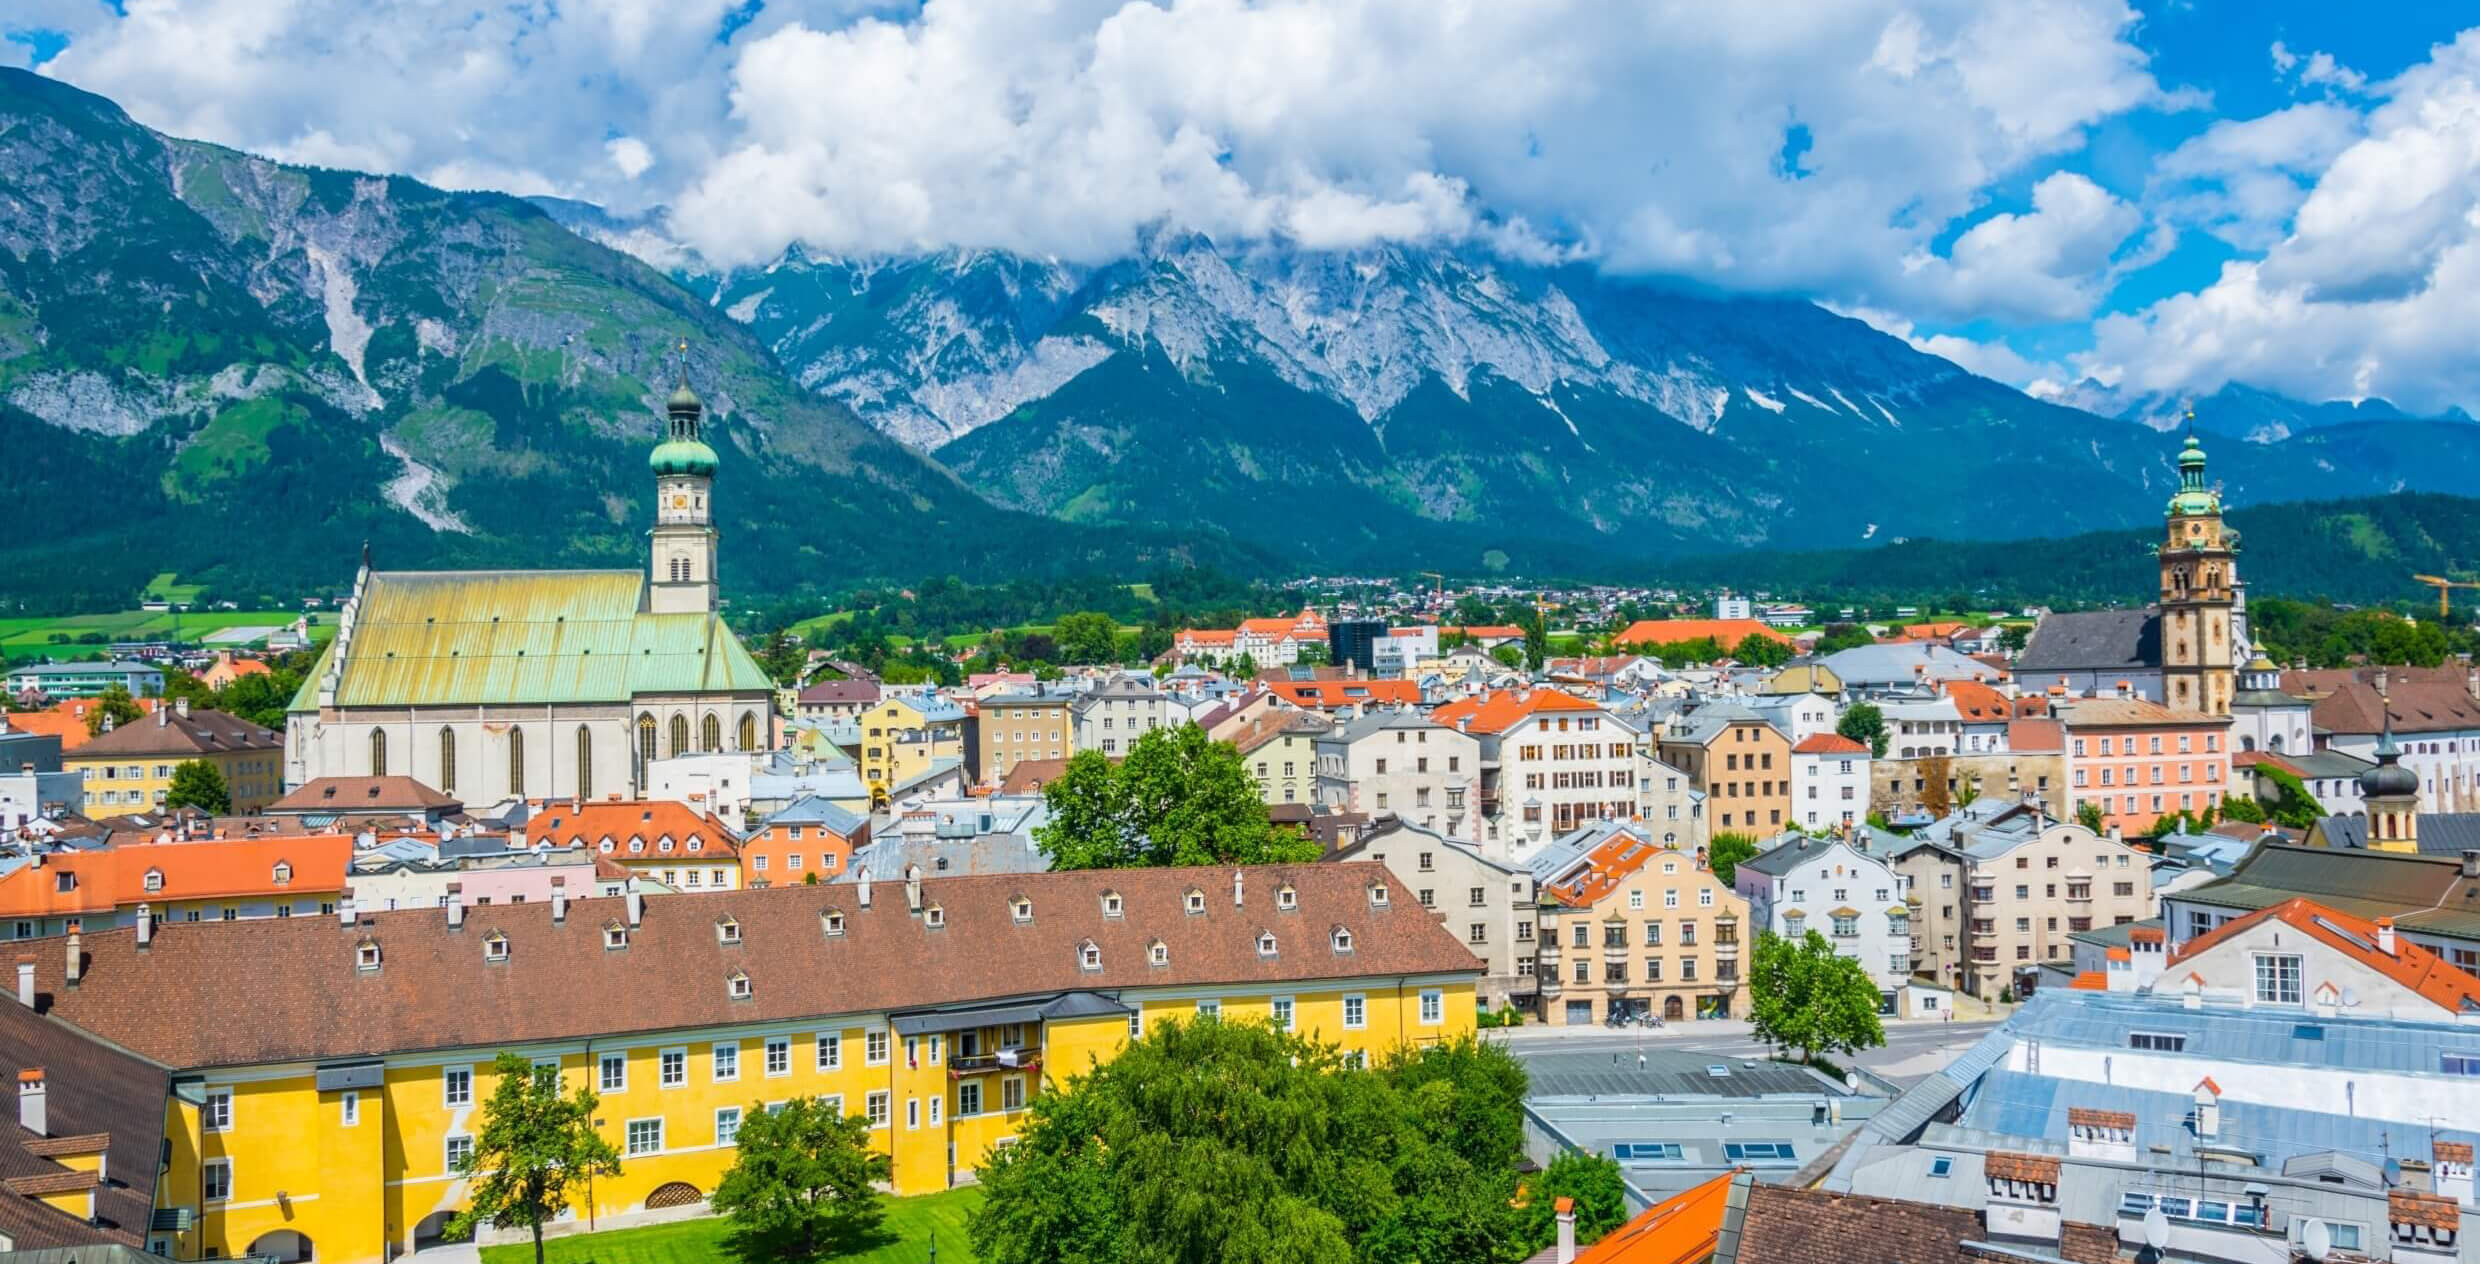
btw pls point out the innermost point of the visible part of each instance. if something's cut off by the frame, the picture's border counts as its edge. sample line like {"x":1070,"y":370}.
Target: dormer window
{"x":1021,"y":909}
{"x":1265,"y":944}
{"x":934,"y":917}
{"x":1111,"y":904}
{"x":154,"y":879}
{"x":664,"y":846}
{"x":605,"y":846}
{"x":283,"y":875}
{"x":1158,"y":953}
{"x":1089,"y":956}
{"x":738,"y":984}
{"x":366,"y":955}
{"x":832,"y":922}
{"x":495,"y":947}
{"x":637,"y":846}
{"x":1343,"y":940}
{"x":615,"y":936}
{"x":1286,"y":898}
{"x":1377,"y":895}
{"x":1194,"y":901}
{"x":727,"y":931}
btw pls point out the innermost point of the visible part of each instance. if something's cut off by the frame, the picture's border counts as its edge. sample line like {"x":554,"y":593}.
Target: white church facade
{"x":541,"y":684}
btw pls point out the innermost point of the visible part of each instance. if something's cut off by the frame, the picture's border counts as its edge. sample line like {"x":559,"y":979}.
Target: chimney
{"x":2384,"y":679}
{"x":75,"y":966}
{"x":31,"y":1102}
{"x":344,"y":909}
{"x":2471,"y":864}
{"x":2451,"y":1170}
{"x":146,"y":926}
{"x":559,"y":900}
{"x":456,"y":906}
{"x":912,"y":888}
{"x":2022,"y":1204}
{"x":2208,"y":1109}
{"x":163,"y":716}
{"x":1237,"y":877}
{"x":25,"y":982}
{"x":2118,"y":834}
{"x":865,"y":886}
{"x":1567,"y":1231}
{"x":181,"y":705}
{"x":2385,"y":936}
{"x":637,"y":903}
{"x":2101,"y":1134}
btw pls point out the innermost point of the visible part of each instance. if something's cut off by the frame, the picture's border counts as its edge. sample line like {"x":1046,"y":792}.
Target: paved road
{"x":1912,"y":1051}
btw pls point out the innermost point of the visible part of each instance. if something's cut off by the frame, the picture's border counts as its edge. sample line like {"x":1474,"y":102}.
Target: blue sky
{"x":2119,"y":204}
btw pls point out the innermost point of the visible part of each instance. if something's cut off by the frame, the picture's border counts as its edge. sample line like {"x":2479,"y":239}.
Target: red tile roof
{"x":2036,"y":1168}
{"x":1829,"y":744}
{"x":115,"y":877}
{"x":1503,"y":709}
{"x":167,"y":732}
{"x":2417,"y":969}
{"x":1327,"y":695}
{"x":1725,"y":632}
{"x":65,"y":720}
{"x":1679,"y":1230}
{"x":1485,"y":631}
{"x":627,"y":821}
{"x":2428,"y":1211}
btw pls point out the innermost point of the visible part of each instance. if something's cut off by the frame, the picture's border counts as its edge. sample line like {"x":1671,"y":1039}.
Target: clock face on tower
{"x":680,"y":500}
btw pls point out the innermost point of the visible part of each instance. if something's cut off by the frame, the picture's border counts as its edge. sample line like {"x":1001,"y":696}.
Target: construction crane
{"x":1441,"y":598}
{"x":2443,"y":587}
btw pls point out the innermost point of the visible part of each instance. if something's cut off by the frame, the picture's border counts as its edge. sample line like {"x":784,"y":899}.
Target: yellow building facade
{"x":904,"y":737}
{"x":937,"y":1010}
{"x":129,"y":769}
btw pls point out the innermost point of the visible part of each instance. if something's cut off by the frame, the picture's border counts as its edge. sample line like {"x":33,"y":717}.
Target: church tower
{"x":684,"y":532}
{"x":2199,"y":594}
{"x":2390,"y":794}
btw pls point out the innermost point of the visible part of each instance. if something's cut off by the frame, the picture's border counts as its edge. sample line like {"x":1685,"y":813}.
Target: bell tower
{"x":2199,"y":593}
{"x":683,"y":554}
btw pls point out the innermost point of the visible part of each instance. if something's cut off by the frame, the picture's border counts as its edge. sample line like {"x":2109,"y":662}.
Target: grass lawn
{"x":32,"y":637}
{"x":911,"y":1220}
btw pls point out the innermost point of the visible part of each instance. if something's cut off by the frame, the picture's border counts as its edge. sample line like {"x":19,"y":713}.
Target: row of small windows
{"x":711,"y":736}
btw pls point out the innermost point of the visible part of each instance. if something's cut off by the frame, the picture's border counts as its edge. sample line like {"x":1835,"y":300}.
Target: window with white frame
{"x":727,"y":1125}
{"x":874,"y":1107}
{"x":215,"y":1180}
{"x":830,"y":1051}
{"x":645,"y":1136}
{"x":349,"y":1108}
{"x":728,"y":1061}
{"x":968,"y":1098}
{"x":2277,"y":978}
{"x":1012,"y":1093}
{"x":1209,"y":1009}
{"x":459,"y":1152}
{"x":779,"y":1055}
{"x":672,"y":1068}
{"x":456,"y":1086}
{"x":1283,"y":1012}
{"x":1433,"y":1007}
{"x":217,"y":1114}
{"x":613,"y":1072}
{"x":1355,"y":1012}
{"x":874,"y":1048}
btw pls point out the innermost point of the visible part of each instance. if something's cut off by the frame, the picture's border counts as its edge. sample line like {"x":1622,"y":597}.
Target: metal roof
{"x":418,"y":638}
{"x":1672,"y":1073}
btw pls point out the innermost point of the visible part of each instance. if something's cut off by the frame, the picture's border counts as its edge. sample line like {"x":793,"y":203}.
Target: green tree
{"x":1725,"y":852}
{"x":1592,"y":1181}
{"x":2089,"y":815}
{"x":1244,"y":668}
{"x":2013,"y":637}
{"x":1757,"y":650}
{"x":113,"y":705}
{"x":1863,"y":722}
{"x":1804,"y":995}
{"x":1313,"y":655}
{"x":535,"y":1144}
{"x":803,"y":1185}
{"x":198,"y":784}
{"x":782,"y":657}
{"x":1536,"y":638}
{"x":2243,"y":806}
{"x":2293,"y":805}
{"x":1843,"y":636}
{"x":1179,"y":798}
{"x":1236,"y":1143}
{"x":1510,"y":655}
{"x":1087,"y":636}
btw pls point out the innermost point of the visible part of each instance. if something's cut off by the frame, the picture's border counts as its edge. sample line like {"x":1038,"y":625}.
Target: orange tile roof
{"x":2090,"y":981}
{"x":65,"y":719}
{"x":1976,"y":701}
{"x":1502,"y":709}
{"x":1725,"y":632}
{"x":627,"y":820}
{"x":2451,"y":1151}
{"x":1681,"y":1229}
{"x":2428,"y":1211}
{"x":1329,"y":694}
{"x":2041,"y":1169}
{"x":1933,"y":631}
{"x":2087,"y":1117}
{"x":114,"y":877}
{"x":2416,"y":968}
{"x":1485,"y":631}
{"x":1829,"y":744}
{"x":1610,"y":863}
{"x":1209,"y":636}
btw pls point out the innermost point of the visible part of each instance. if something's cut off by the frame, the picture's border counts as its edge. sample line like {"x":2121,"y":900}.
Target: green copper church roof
{"x":683,"y":456}
{"x":433,"y":638}
{"x":2193,"y":497}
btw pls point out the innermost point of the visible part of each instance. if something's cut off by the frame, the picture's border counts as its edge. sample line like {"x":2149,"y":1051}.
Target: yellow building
{"x":1016,"y":727}
{"x":321,"y":1113}
{"x":129,"y":769}
{"x":905,"y":737}
{"x":1630,"y":928}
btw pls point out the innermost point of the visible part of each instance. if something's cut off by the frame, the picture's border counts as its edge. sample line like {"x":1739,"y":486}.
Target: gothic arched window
{"x":447,"y":759}
{"x":378,"y":752}
{"x":645,"y":738}
{"x":710,"y":734}
{"x":749,"y":730}
{"x":516,"y":762}
{"x":680,"y":735}
{"x":585,"y":762}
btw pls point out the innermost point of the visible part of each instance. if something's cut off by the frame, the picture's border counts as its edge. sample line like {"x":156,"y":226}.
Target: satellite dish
{"x":2318,"y":1239}
{"x":2156,"y":1228}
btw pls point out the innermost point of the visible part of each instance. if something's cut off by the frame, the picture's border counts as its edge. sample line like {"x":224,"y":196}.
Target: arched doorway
{"x":674,"y":1194}
{"x":1673,"y":1009}
{"x":431,"y":1230}
{"x":281,"y":1244}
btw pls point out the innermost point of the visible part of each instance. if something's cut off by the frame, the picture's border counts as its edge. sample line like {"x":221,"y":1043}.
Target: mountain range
{"x":239,"y":369}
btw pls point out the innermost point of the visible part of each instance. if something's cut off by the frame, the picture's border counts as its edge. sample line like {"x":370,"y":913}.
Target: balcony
{"x":1019,"y":1058}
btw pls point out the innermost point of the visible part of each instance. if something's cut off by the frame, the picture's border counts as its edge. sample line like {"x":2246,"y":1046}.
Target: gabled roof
{"x":693,"y":833}
{"x":172,"y":733}
{"x":827,"y":692}
{"x":2091,"y":640}
{"x":2417,"y":706}
{"x":108,"y":878}
{"x":95,"y":1097}
{"x":1334,"y":694}
{"x":1679,"y":1230}
{"x":363,"y":794}
{"x":809,"y":809}
{"x":2089,"y":713}
{"x":1829,"y":744}
{"x":2417,"y":969}
{"x":1503,"y":709}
